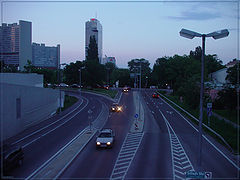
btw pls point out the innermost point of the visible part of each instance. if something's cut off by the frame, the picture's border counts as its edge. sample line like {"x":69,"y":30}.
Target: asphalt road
{"x":42,"y":141}
{"x":212,"y":160}
{"x":168,"y":146}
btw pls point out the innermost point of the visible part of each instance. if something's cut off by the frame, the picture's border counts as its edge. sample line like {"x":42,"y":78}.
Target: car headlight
{"x":108,"y":143}
{"x":113,"y":108}
{"x":98,"y":143}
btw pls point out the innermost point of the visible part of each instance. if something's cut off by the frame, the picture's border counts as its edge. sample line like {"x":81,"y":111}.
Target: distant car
{"x":125,"y":89}
{"x":106,"y":87}
{"x":155,"y":95}
{"x":75,"y":86}
{"x":105,"y":138}
{"x":11,"y":157}
{"x":63,"y":85}
{"x":116,"y":108}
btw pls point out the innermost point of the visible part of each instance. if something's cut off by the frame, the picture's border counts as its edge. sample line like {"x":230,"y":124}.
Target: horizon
{"x":131,"y":30}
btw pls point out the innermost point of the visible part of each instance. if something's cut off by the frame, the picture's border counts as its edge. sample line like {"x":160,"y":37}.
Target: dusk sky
{"x":131,"y":30}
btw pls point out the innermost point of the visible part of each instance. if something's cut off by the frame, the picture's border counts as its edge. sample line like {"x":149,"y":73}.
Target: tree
{"x":121,"y":75}
{"x":145,"y":69}
{"x":92,"y":51}
{"x":71,"y":72}
{"x":232,"y":74}
{"x":29,"y":68}
{"x":109,"y":70}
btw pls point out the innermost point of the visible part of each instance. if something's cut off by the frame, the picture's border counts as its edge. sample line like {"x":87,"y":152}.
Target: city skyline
{"x":131,"y":30}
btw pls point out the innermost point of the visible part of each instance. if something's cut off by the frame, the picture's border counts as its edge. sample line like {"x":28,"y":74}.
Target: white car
{"x":105,"y":138}
{"x":63,"y":85}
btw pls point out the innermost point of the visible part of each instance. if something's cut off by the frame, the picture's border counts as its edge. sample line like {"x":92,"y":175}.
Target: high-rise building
{"x":16,"y":43}
{"x":94,"y":28}
{"x":45,"y":56}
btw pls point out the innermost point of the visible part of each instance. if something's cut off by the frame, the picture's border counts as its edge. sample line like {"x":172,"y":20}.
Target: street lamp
{"x":59,"y":81}
{"x":139,"y":87}
{"x":80,"y":79}
{"x":215,"y":35}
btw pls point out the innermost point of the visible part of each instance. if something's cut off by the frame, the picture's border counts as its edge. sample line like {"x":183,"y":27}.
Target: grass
{"x":68,"y":101}
{"x":227,"y":131}
{"x":110,"y":93}
{"x":228,"y":114}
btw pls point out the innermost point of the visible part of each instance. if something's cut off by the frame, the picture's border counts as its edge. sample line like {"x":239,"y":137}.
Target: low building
{"x":45,"y":56}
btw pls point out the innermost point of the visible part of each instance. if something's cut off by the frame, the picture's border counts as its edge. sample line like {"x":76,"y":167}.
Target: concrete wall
{"x":24,"y":106}
{"x":27,"y":79}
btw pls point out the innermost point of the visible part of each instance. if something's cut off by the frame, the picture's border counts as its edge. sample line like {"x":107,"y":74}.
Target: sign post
{"x":209,"y":112}
{"x":136,"y":126}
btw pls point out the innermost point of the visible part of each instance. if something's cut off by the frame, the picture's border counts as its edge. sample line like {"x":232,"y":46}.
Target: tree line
{"x":180,"y":73}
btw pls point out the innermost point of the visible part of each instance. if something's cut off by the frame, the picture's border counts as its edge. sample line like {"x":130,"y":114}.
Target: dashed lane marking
{"x":180,"y":161}
{"x":126,"y":155}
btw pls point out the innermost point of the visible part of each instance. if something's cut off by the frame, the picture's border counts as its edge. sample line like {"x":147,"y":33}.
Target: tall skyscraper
{"x":94,"y":28}
{"x":16,"y":43}
{"x":45,"y":56}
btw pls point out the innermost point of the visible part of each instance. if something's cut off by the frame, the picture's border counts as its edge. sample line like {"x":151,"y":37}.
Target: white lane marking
{"x":27,"y":144}
{"x":126,"y":160}
{"x":174,"y":140}
{"x":47,"y":125}
{"x":58,"y":152}
{"x":225,"y":156}
{"x":120,"y":98}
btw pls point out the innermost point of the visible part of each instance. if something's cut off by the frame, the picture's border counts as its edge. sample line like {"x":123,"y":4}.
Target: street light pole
{"x":215,"y":35}
{"x":59,"y":81}
{"x":201,"y":100}
{"x":80,"y":79}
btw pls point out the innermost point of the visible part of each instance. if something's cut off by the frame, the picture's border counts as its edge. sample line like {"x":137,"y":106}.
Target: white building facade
{"x":109,"y":60}
{"x":94,"y":28}
{"x":44,"y":56}
{"x":16,"y":43}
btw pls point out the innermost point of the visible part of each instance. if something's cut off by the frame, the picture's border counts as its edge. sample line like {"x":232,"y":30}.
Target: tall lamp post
{"x":80,"y":79}
{"x":139,"y":87}
{"x":215,"y":35}
{"x":59,"y":81}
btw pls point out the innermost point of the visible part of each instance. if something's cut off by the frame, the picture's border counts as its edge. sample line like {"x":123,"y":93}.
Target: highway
{"x":164,"y":146}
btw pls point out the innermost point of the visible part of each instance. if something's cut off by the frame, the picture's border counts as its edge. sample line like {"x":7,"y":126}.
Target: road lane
{"x":212,"y":161}
{"x":41,"y":150}
{"x":92,"y":163}
{"x":153,"y":159}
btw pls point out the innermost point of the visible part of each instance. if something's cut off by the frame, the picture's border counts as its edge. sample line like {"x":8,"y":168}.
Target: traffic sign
{"x":136,"y":116}
{"x":209,"y":105}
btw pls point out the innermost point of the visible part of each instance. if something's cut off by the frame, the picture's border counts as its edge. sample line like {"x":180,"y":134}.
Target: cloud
{"x":196,"y":16}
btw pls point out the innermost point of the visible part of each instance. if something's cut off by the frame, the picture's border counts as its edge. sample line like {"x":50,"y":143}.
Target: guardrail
{"x":210,"y":129}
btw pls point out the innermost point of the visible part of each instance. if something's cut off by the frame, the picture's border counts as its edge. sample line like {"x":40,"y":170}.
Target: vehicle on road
{"x":75,"y":86}
{"x":116,"y":108}
{"x":11,"y":157}
{"x":63,"y":85}
{"x":106,"y":87}
{"x":125,"y":89}
{"x":155,"y":95}
{"x":105,"y":138}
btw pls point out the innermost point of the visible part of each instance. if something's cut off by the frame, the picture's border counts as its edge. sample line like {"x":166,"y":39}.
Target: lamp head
{"x":189,"y":34}
{"x":219,"y":34}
